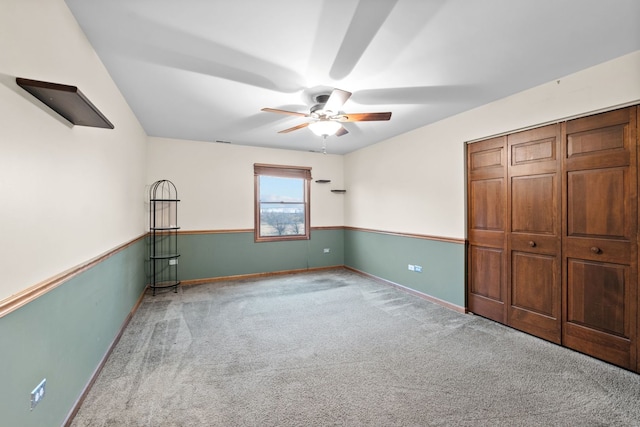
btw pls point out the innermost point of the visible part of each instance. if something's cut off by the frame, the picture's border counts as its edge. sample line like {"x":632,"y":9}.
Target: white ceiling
{"x":203,"y":69}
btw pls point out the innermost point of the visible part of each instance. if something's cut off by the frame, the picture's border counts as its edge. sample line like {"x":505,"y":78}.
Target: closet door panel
{"x":538,"y":299}
{"x":486,"y":257}
{"x":534,"y":234}
{"x":600,"y":242}
{"x":486,"y":281}
{"x":533,"y":204}
{"x":590,"y":190}
{"x":597,"y":321}
{"x":597,"y":293}
{"x":486,"y":203}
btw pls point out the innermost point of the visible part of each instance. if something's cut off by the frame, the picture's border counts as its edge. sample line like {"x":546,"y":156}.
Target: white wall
{"x":68,"y":193}
{"x":415,"y":183}
{"x":215,"y":181}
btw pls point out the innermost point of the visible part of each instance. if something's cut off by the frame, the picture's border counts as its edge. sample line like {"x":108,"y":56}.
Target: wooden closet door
{"x":600,"y":255}
{"x":534,"y":238}
{"x":487,"y":222}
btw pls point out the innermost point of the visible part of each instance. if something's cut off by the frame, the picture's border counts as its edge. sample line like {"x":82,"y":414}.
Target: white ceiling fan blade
{"x":417,"y":95}
{"x":366,"y":21}
{"x":336,"y":100}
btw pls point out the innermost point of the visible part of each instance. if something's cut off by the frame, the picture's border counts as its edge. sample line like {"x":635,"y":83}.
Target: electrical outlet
{"x":37,"y":394}
{"x":418,"y":268}
{"x":327,"y":250}
{"x":411,"y":267}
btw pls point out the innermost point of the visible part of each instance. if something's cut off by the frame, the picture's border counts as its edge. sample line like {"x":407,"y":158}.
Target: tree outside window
{"x":282,"y":202}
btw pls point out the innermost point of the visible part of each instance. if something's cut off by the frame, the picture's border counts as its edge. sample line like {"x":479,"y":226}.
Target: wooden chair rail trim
{"x":412,"y":235}
{"x":339,"y":227}
{"x":248,"y":230}
{"x":235,"y":230}
{"x":22,"y":298}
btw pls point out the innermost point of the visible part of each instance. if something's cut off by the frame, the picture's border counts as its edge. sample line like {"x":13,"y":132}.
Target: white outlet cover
{"x":37,"y":394}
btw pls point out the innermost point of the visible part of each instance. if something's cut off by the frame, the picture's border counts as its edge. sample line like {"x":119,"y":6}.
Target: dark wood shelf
{"x":67,"y":101}
{"x":339,"y":191}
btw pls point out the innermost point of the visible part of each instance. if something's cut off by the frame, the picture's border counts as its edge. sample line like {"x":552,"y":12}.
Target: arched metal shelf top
{"x":163,"y":191}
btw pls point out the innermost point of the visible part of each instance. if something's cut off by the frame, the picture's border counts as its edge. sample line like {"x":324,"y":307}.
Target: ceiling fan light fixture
{"x":324,"y":127}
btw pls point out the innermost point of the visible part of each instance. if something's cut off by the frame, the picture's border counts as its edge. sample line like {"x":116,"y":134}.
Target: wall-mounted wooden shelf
{"x":323,"y":181}
{"x":67,"y":101}
{"x":339,"y":191}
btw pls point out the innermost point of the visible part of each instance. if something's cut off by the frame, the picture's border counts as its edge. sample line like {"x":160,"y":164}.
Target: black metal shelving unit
{"x":163,"y":235}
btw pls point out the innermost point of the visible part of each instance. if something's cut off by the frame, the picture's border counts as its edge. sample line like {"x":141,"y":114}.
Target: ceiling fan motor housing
{"x":317,"y":110}
{"x":322,"y":98}
{"x":325,"y":120}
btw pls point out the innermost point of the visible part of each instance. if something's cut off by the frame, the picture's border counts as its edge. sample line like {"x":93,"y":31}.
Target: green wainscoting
{"x":211,"y":255}
{"x":387,"y":256}
{"x":63,"y":335}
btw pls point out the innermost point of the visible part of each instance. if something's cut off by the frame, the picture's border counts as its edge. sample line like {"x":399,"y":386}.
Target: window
{"x":281,"y":202}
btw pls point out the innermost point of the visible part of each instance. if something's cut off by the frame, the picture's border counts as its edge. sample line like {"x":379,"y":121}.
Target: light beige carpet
{"x":337,"y":349}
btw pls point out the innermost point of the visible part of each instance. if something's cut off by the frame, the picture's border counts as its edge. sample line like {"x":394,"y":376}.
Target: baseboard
{"x":256,"y":275}
{"x":76,"y":406}
{"x":408,"y":290}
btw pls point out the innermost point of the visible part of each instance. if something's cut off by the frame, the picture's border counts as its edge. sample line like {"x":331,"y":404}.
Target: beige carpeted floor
{"x":337,"y":349}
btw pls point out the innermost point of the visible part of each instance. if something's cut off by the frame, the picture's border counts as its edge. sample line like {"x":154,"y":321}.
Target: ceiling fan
{"x":327,"y":117}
